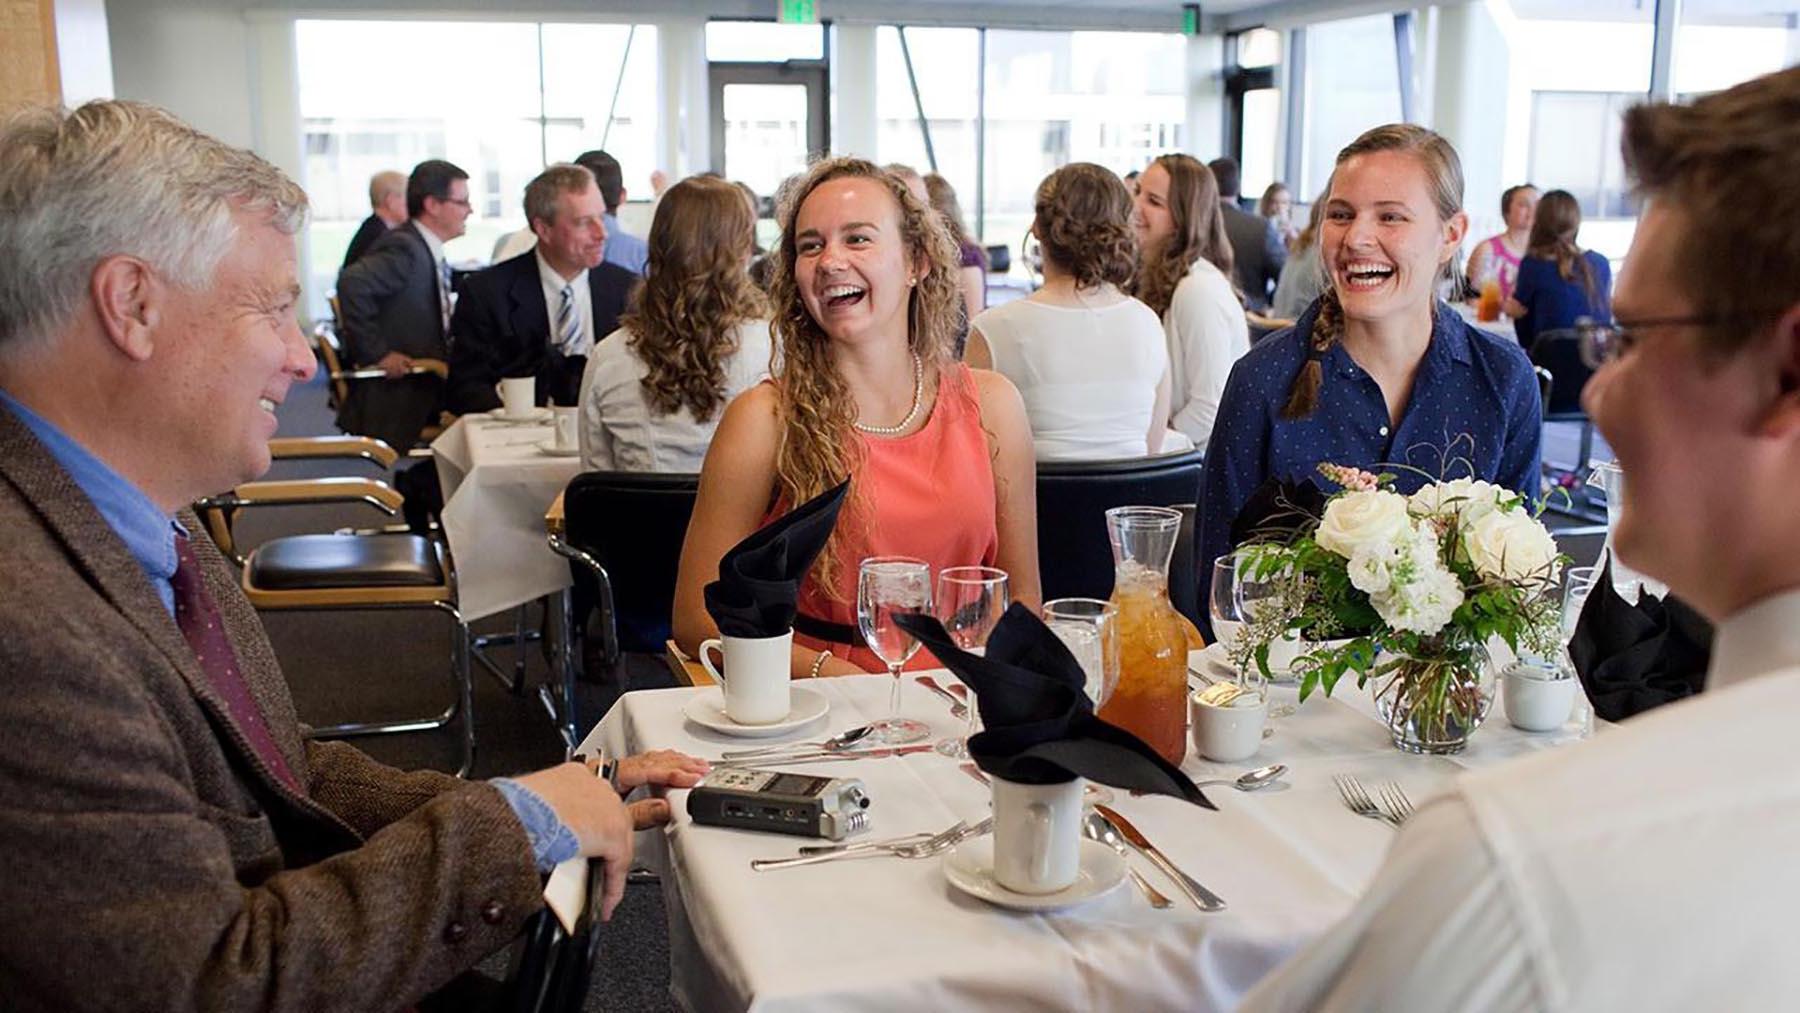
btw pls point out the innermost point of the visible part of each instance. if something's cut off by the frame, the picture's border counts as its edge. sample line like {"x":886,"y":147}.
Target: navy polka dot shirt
{"x":1475,"y":411}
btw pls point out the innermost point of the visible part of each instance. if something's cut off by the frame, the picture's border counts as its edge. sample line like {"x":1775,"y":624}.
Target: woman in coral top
{"x":866,"y":307}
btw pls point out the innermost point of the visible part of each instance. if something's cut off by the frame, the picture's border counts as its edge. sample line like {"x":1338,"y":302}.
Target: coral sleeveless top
{"x":929,"y":494}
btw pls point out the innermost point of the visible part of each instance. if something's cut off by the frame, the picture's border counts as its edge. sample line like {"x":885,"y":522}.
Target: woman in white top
{"x":696,"y":335}
{"x":1090,"y":362}
{"x":1185,"y":277}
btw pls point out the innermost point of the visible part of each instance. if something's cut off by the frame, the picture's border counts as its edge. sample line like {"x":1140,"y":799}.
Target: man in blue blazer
{"x":539,"y":313}
{"x":395,"y":302}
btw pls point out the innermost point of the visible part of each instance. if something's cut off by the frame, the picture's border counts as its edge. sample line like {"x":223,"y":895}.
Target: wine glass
{"x":1578,"y":584}
{"x":970,"y":601}
{"x":886,"y":586}
{"x":1222,"y":603}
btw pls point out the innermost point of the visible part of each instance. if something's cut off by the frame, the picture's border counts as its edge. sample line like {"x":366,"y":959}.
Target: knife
{"x":1203,"y":898}
{"x":826,"y":756}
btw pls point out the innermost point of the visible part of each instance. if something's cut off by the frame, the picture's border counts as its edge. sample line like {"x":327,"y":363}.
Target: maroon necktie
{"x":198,"y":616}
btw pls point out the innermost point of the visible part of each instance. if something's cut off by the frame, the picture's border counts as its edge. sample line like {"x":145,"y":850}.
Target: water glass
{"x":1222,"y":602}
{"x":1578,"y":583}
{"x":970,"y":601}
{"x":887,"y":586}
{"x":1089,"y":628}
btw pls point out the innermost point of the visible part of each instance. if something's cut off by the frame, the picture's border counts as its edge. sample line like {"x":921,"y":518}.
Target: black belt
{"x":826,"y":630}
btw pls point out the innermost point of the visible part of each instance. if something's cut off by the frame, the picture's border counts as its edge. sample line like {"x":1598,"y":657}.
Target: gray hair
{"x":541,"y":193}
{"x":115,"y":177}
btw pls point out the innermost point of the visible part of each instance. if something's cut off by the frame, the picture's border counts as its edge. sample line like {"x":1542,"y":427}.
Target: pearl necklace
{"x":918,"y":401}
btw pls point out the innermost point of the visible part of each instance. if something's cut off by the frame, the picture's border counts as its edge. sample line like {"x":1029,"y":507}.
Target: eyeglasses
{"x":461,"y":202}
{"x":1603,"y":343}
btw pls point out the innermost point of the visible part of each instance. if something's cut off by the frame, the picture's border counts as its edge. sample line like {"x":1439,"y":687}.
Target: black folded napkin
{"x":1276,"y":507}
{"x":1039,"y":726}
{"x":759,"y":579}
{"x":1632,"y":658}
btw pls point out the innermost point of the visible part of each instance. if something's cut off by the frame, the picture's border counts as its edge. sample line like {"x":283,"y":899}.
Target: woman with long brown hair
{"x":1184,"y":275}
{"x":972,"y":273}
{"x":696,"y":334}
{"x":1558,"y":284}
{"x":1378,"y":373}
{"x":866,"y":306}
{"x":1090,"y":361}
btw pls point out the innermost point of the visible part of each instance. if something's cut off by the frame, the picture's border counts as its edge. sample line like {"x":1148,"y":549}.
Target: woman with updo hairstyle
{"x":695,"y":335}
{"x":1088,"y":359}
{"x":1378,"y":373}
{"x":1185,"y":276}
{"x":866,"y":308}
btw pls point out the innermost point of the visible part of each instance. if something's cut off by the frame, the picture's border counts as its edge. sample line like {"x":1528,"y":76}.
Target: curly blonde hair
{"x":1082,"y":216}
{"x":1199,"y":232}
{"x":818,"y":445}
{"x":696,"y":292}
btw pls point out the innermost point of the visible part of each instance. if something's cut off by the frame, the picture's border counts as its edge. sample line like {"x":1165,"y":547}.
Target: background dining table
{"x":891,"y":934}
{"x":498,"y":479}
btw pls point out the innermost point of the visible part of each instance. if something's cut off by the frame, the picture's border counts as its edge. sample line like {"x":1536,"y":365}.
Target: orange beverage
{"x":1488,"y":307}
{"x":1150,"y":700}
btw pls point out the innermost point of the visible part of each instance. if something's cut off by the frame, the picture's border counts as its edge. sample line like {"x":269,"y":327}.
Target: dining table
{"x":890,"y":933}
{"x":498,"y":478}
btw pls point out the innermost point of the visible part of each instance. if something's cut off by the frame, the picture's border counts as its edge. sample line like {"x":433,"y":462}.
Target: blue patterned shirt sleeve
{"x":1474,"y":411}
{"x":552,"y":842}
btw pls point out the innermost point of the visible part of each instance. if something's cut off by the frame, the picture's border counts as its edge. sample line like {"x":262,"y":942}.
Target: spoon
{"x":1095,"y":829}
{"x":958,"y":709}
{"x":836,"y":742}
{"x":1250,"y":780}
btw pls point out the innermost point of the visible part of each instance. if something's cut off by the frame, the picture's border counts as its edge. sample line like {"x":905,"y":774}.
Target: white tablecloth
{"x":885,"y":933}
{"x":1502,"y":327}
{"x":497,"y":484}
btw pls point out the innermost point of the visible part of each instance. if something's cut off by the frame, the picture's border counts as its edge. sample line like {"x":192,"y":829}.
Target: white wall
{"x":192,"y":61}
{"x":83,"y":51}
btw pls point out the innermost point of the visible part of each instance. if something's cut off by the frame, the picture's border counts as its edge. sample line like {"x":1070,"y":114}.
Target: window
{"x":1114,"y":98}
{"x":947,"y":63}
{"x":1721,"y":43}
{"x":498,"y":99}
{"x":1575,"y":147}
{"x":1352,"y":84}
{"x":1253,"y":107}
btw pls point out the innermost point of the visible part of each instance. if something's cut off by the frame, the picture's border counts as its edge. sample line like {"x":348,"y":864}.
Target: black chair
{"x":999,"y":258}
{"x":1561,"y":377}
{"x":622,"y":536}
{"x":1074,"y":554}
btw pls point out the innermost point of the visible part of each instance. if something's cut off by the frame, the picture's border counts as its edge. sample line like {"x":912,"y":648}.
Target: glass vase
{"x":1433,"y":699}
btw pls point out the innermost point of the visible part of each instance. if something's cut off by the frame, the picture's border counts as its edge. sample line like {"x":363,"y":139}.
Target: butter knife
{"x":1203,"y":898}
{"x":825,"y":756}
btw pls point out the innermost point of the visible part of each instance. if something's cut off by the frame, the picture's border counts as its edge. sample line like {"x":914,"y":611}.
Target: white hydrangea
{"x":1424,"y":604}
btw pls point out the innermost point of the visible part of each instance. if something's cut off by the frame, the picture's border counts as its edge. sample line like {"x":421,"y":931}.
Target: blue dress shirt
{"x":1553,"y":303}
{"x":624,"y":249}
{"x":149,"y":535}
{"x":1475,"y":412}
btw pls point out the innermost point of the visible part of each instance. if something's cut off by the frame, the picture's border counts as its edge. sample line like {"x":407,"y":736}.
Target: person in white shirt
{"x":1089,"y":360}
{"x":1650,"y":868}
{"x":695,"y":336}
{"x":1185,"y":277}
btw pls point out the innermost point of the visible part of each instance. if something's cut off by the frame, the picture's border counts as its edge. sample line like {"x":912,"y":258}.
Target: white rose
{"x":1511,"y":545}
{"x":1376,"y":518}
{"x":1469,"y":499}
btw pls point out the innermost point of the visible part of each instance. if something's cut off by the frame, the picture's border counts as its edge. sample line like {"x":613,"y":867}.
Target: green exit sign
{"x":799,"y":12}
{"x":1190,"y":19}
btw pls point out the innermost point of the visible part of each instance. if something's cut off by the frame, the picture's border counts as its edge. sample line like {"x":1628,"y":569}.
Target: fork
{"x":1357,"y":799}
{"x":1394,"y":802}
{"x":932,"y":846}
{"x":958,"y":709}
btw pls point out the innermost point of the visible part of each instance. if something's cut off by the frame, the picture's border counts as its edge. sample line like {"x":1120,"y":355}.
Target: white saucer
{"x":549,"y":449}
{"x":707,"y":709}
{"x":970,"y":868}
{"x":534,"y":415}
{"x":1214,"y":660}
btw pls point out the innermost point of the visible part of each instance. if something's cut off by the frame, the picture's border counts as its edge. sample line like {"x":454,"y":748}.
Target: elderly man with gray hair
{"x":170,"y":839}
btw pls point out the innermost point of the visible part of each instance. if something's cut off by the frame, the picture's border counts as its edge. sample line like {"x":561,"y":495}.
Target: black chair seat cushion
{"x":633,"y":524}
{"x":317,"y":562}
{"x":1074,"y":553}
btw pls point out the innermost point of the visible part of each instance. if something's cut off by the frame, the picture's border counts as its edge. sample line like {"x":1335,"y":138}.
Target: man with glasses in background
{"x":1650,"y":867}
{"x":395,"y":304}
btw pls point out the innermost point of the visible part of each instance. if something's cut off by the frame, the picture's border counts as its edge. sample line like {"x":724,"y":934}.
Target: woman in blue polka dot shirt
{"x":1378,"y":372}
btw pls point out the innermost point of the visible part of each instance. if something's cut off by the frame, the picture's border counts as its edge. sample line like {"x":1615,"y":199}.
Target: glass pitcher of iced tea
{"x":1150,"y":700}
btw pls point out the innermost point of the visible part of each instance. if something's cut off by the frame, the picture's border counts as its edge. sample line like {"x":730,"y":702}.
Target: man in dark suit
{"x":170,"y":837}
{"x":395,"y":302}
{"x":1256,"y":246}
{"x":387,"y":196}
{"x":540,"y":313}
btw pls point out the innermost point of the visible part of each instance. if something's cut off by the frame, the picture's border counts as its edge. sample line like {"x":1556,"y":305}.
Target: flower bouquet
{"x":1408,"y":590}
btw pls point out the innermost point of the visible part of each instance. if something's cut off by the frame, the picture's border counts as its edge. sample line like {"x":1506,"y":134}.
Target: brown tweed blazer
{"x":149,"y":860}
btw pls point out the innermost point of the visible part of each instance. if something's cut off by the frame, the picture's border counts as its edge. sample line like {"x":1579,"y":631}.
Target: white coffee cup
{"x":1037,"y":835}
{"x":568,"y":433}
{"x":1537,"y":699}
{"x":755,"y":679}
{"x":518,"y":395}
{"x":1228,"y":733}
